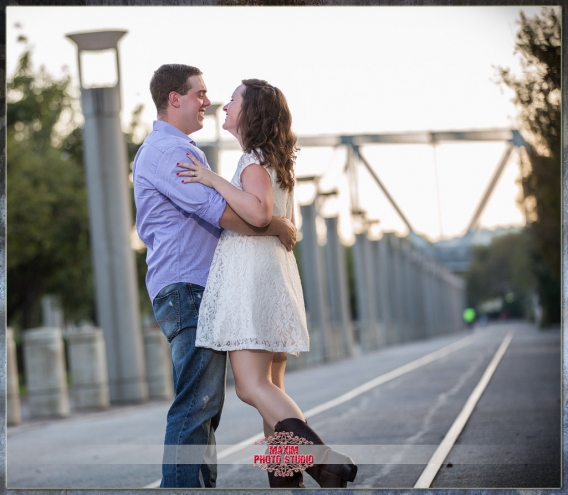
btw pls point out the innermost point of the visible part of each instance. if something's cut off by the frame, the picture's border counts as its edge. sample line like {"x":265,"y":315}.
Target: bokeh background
{"x":345,"y":70}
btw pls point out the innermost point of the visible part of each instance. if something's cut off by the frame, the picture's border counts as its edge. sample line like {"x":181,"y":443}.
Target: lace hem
{"x":253,"y":344}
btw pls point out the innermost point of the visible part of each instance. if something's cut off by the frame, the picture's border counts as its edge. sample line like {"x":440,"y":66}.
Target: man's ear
{"x":173,"y":98}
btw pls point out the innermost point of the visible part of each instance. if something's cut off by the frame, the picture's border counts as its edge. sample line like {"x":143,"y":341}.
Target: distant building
{"x":456,"y":254}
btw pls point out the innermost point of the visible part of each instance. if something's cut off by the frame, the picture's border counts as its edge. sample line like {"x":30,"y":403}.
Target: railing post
{"x":44,"y":361}
{"x":87,"y":359}
{"x":313,"y":284}
{"x":13,"y":411}
{"x":340,"y":316}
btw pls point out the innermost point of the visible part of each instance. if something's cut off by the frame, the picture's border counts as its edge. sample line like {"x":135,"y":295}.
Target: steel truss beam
{"x":512,"y":136}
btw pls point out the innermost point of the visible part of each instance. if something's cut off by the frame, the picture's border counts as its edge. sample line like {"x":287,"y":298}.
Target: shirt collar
{"x":160,"y":125}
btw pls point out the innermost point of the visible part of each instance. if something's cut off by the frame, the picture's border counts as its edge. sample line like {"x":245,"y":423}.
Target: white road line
{"x":449,"y":440}
{"x":391,"y":375}
{"x":361,"y":389}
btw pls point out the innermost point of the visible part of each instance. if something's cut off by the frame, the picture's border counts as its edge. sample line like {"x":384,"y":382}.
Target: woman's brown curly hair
{"x":265,"y":124}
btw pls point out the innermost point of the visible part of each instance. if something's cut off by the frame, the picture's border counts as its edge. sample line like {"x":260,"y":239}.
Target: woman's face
{"x":232,"y":109}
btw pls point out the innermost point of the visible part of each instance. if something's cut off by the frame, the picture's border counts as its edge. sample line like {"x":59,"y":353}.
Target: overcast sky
{"x":344,"y":70}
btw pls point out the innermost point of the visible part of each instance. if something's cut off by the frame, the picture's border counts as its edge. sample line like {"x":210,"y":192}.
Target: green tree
{"x":48,"y":247}
{"x":47,"y":223}
{"x":537,"y":94}
{"x":502,"y":270}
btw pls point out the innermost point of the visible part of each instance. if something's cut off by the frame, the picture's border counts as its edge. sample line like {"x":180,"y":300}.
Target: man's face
{"x":192,"y":105}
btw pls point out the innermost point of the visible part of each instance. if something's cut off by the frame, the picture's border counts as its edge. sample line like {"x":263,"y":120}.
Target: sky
{"x":344,"y":70}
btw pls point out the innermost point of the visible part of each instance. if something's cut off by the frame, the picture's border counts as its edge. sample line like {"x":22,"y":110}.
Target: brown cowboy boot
{"x":294,"y":481}
{"x":335,"y":469}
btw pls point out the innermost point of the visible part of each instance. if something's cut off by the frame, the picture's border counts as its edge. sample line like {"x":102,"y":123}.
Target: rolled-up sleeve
{"x":194,"y":198}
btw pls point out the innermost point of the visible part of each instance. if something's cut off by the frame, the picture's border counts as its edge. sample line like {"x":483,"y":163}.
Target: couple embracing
{"x":221,"y":274}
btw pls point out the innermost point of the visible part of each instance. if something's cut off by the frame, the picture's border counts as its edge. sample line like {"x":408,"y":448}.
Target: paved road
{"x":511,"y":440}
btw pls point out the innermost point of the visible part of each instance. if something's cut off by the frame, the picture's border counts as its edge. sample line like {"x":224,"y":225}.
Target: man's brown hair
{"x":168,"y":78}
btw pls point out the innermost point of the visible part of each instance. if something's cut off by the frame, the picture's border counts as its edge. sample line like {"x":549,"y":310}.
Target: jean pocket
{"x":168,"y":314}
{"x":196,"y":292}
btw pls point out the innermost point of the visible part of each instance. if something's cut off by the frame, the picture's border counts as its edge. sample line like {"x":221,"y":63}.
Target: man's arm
{"x":279,"y":226}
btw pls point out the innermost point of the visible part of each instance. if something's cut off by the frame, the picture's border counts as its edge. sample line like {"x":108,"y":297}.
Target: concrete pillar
{"x":337,"y":284}
{"x":88,"y":367}
{"x":314,"y":287}
{"x":52,"y":313}
{"x":365,"y":292}
{"x":158,"y":365}
{"x":428,"y":300}
{"x":385,"y":280}
{"x":106,"y":167}
{"x":442,"y":303}
{"x":416,"y":274}
{"x":409,"y":293}
{"x":46,"y":381}
{"x":212,"y":154}
{"x":403,"y":290}
{"x":13,"y":412}
{"x":396,"y":291}
{"x":378,"y":280}
{"x":462,"y":303}
{"x":418,"y":312}
{"x":450,"y":297}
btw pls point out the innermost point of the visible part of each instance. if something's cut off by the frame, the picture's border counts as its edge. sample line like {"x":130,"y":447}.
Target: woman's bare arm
{"x":253,"y":204}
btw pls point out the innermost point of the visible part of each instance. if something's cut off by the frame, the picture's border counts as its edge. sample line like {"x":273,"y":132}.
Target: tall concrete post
{"x":211,"y":150}
{"x":104,"y":151}
{"x":401,"y":289}
{"x":365,"y":292}
{"x":340,"y":315}
{"x":378,"y":280}
{"x":416,"y":313}
{"x":385,"y":289}
{"x":395,"y":292}
{"x":409,"y":303}
{"x":427,"y":295}
{"x":313,"y":285}
{"x":419,"y":259}
{"x":438,"y":291}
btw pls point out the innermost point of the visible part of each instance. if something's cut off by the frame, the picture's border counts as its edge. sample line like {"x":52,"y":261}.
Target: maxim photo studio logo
{"x":283,"y":456}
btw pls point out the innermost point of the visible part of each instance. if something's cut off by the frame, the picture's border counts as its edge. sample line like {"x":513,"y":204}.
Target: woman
{"x":253,"y":304}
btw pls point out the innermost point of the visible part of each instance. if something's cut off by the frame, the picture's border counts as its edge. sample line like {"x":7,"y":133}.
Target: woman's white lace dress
{"x":253,"y":298}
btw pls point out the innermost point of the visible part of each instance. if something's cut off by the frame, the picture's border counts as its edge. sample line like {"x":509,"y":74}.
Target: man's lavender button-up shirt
{"x":179,"y":223}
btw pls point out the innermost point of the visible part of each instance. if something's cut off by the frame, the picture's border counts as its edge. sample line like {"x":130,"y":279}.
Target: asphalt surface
{"x":512,"y":439}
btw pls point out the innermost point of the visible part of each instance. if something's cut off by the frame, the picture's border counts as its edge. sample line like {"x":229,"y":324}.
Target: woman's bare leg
{"x":277,"y":374}
{"x":253,"y":383}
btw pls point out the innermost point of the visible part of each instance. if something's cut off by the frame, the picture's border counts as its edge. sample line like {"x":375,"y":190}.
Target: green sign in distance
{"x":469,"y":315}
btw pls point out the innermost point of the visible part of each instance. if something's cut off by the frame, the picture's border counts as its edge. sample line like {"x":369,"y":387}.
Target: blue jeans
{"x":190,"y":457}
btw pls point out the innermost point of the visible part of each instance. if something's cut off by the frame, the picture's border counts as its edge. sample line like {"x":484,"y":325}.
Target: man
{"x":180,"y":225}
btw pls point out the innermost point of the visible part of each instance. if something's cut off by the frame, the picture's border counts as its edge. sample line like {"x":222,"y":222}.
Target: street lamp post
{"x":104,"y":152}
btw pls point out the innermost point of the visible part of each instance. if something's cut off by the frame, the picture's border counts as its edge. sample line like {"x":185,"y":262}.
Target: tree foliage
{"x":48,"y":249}
{"x":537,"y":95}
{"x":47,"y":223}
{"x":502,"y":269}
